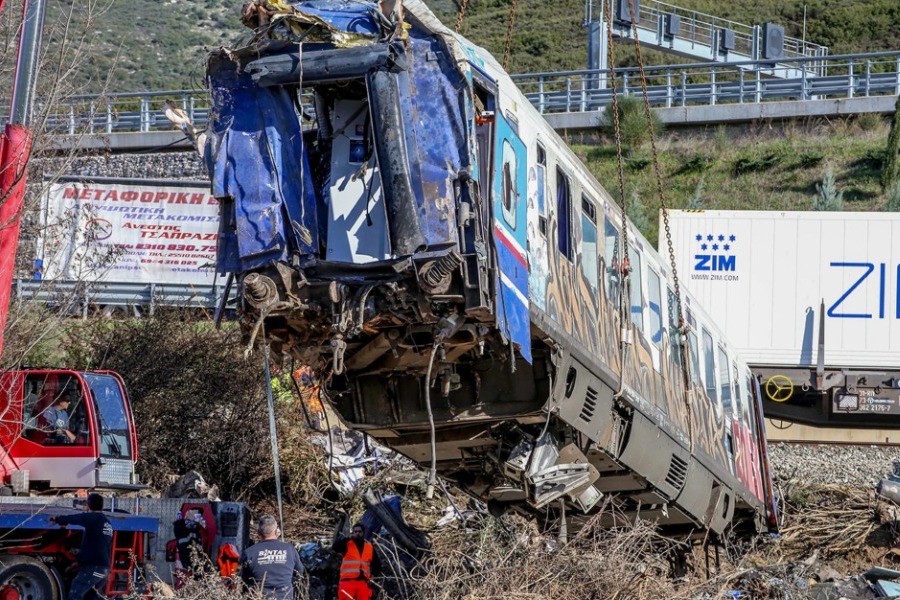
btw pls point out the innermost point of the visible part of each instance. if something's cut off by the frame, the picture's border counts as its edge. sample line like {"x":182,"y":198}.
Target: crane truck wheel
{"x":26,"y":578}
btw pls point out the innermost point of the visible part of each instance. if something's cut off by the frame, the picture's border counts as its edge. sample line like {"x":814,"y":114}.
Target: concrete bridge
{"x":685,"y":94}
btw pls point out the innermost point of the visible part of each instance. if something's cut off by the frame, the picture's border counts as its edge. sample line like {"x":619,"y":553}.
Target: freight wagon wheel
{"x":26,"y":578}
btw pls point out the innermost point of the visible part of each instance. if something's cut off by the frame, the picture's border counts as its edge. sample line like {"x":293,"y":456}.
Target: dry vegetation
{"x":200,"y":405}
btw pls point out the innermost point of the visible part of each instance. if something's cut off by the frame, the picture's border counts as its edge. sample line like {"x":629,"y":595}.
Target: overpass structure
{"x":684,"y":94}
{"x":700,"y":36}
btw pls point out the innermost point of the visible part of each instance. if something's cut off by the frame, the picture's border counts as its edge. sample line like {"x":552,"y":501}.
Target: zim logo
{"x":715,"y":253}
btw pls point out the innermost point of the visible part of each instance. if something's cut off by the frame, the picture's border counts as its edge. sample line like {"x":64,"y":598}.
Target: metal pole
{"x":273,"y":434}
{"x":804,"y":30}
{"x":22,"y":104}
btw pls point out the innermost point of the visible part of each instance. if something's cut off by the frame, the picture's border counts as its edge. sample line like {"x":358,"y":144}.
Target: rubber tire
{"x":29,"y":576}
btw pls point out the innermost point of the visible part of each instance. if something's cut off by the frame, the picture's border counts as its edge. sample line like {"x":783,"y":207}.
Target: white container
{"x":763,"y":276}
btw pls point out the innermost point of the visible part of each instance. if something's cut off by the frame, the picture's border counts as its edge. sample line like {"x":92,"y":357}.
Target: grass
{"x":758,"y":167}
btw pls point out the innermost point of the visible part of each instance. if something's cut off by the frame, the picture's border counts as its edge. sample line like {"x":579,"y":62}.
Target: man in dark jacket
{"x":96,"y":547}
{"x":359,"y":563}
{"x":271,"y":565}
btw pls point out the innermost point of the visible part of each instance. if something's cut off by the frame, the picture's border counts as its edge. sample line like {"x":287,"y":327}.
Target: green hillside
{"x":160,"y":44}
{"x":763,"y":166}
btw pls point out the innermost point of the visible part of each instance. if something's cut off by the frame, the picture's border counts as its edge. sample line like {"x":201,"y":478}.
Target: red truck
{"x":37,"y":559}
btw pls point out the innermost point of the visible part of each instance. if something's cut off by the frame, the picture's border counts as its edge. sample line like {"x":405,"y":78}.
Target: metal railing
{"x":702,"y":29}
{"x":844,"y":76}
{"x":83,"y":298}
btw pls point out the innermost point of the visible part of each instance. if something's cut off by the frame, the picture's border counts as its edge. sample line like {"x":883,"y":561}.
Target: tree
{"x":828,"y":197}
{"x":68,"y":35}
{"x":890,"y":173}
{"x":634,"y":129}
{"x":893,"y":198}
{"x":697,"y":201}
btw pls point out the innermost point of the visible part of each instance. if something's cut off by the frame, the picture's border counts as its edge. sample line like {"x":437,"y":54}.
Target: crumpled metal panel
{"x":437,"y":135}
{"x":341,"y":22}
{"x":257,"y":158}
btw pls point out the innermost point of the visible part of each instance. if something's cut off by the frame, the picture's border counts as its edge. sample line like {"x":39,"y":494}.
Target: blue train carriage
{"x":399,"y":217}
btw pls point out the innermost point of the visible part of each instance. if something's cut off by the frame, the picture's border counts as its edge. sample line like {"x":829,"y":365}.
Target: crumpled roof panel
{"x":341,"y":22}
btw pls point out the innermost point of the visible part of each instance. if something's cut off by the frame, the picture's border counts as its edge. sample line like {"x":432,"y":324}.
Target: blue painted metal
{"x":260,"y":122}
{"x":510,"y":239}
{"x":37,"y":516}
{"x":352,"y":16}
{"x":437,"y":136}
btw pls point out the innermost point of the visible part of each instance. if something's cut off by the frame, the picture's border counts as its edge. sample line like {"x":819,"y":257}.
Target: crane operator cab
{"x":63,"y":429}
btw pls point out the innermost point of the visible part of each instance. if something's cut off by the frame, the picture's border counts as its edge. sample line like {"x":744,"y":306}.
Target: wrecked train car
{"x":398,"y":216}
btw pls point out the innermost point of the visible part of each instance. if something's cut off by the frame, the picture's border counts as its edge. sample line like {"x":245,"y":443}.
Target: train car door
{"x":509,"y":217}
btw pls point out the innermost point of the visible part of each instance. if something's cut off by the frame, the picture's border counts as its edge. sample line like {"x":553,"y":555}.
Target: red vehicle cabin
{"x":66,"y":430}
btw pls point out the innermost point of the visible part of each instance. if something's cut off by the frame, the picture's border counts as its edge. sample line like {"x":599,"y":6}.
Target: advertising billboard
{"x":136,"y":231}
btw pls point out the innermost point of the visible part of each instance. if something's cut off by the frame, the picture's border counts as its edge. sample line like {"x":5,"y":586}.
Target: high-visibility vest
{"x":354,"y":564}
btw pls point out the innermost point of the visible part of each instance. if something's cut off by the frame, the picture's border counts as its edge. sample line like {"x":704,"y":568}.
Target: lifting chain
{"x":656,"y":167}
{"x":682,"y":328}
{"x":510,"y":23}
{"x":461,"y":14}
{"x":624,"y":267}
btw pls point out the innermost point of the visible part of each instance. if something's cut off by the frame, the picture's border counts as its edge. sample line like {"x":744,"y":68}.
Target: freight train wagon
{"x":813,"y":305}
{"x":398,"y":216}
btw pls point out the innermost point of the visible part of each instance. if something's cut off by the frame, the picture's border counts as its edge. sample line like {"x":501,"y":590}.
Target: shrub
{"x":198,"y":404}
{"x":637,"y":212}
{"x":868,"y":121}
{"x":810,"y":158}
{"x":828,"y":197}
{"x":695,"y":164}
{"x":633,"y":126}
{"x":755,"y":164}
{"x":697,"y":202}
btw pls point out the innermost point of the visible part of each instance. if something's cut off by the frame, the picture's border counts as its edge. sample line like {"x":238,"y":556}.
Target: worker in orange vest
{"x":359,"y":563}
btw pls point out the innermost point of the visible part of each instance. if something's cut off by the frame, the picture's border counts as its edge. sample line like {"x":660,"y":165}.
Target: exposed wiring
{"x":432,"y":475}
{"x":158,"y":148}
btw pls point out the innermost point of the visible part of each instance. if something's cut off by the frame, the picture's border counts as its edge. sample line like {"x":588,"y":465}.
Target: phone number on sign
{"x":175,"y":247}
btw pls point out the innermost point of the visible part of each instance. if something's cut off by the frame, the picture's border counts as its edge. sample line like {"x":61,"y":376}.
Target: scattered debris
{"x":192,"y":485}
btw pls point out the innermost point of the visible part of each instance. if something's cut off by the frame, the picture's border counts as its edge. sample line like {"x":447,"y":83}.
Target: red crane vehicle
{"x":101,"y":449}
{"x":99,"y":446}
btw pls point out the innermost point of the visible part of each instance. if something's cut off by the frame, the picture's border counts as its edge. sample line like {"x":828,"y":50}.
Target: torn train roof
{"x":347,"y":23}
{"x":416,"y":75}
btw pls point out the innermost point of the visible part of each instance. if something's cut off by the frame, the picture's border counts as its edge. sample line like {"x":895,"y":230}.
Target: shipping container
{"x":812,"y":298}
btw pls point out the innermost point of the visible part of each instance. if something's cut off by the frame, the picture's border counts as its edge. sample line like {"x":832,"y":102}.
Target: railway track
{"x":794,"y":433}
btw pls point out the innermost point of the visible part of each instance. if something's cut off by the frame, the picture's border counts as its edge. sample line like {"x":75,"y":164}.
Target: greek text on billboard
{"x":130,"y":231}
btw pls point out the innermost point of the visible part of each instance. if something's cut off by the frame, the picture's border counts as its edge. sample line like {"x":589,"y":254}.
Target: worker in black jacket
{"x":96,"y":547}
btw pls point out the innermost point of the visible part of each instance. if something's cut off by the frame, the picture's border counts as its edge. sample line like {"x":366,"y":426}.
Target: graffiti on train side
{"x":591,"y":316}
